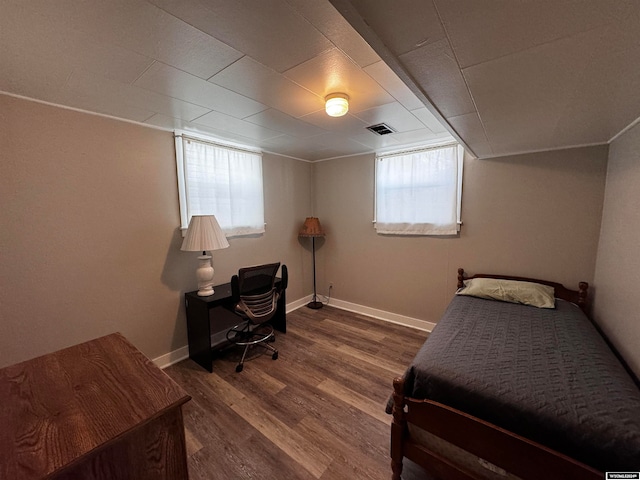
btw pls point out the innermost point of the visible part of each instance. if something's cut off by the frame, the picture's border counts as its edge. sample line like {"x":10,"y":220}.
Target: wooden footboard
{"x":499,"y":449}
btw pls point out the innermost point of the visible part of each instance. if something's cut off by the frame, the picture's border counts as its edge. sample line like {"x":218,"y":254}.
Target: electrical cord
{"x":327,"y":299}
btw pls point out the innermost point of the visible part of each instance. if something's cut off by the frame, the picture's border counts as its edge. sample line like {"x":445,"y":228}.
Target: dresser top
{"x":58,"y":408}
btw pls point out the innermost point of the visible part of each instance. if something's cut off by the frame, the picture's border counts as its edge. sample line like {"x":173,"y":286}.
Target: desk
{"x":100,"y":410}
{"x":203,"y":320}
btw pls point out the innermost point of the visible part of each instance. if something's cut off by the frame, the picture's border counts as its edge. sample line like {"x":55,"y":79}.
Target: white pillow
{"x":526,"y":293}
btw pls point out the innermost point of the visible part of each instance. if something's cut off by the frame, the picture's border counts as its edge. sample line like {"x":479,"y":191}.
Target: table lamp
{"x":204,"y":233}
{"x":313,"y":229}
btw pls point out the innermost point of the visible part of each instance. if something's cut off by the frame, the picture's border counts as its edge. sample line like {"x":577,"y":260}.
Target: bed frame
{"x":499,"y":447}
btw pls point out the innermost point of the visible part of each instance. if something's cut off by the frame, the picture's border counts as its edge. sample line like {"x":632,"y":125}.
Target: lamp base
{"x":205,"y":292}
{"x":204,"y":274}
{"x":315,"y":305}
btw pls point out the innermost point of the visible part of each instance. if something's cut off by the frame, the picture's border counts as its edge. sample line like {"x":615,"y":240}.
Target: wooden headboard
{"x":579,"y":297}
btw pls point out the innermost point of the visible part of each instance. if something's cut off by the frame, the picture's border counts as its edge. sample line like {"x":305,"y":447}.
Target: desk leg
{"x":199,"y":333}
{"x":279,"y":321}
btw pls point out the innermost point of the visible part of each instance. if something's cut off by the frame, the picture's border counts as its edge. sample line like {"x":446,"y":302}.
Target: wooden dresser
{"x":99,"y":410}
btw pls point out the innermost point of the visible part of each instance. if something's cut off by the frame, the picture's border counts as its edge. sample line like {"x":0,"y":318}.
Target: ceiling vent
{"x":381,"y":129}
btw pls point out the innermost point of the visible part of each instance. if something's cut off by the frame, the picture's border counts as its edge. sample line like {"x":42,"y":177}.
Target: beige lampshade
{"x":311,"y":228}
{"x":204,"y":234}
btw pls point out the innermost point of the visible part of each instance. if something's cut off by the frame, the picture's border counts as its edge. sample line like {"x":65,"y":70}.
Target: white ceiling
{"x":503,"y":76}
{"x":250,"y":72}
{"x":513,"y":76}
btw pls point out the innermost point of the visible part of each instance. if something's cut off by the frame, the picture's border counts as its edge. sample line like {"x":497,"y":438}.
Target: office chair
{"x":256,"y":297}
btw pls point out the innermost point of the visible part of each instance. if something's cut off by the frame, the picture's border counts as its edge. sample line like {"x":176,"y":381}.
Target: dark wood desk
{"x":100,"y":410}
{"x":204,"y":318}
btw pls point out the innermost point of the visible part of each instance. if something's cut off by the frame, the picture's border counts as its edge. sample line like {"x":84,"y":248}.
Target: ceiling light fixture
{"x":337,"y":104}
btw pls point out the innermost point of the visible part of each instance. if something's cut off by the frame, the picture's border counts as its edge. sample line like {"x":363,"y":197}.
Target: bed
{"x":507,"y":391}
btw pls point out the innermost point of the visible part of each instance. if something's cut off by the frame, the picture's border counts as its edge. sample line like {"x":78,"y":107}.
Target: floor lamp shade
{"x":312,"y":228}
{"x":204,"y":234}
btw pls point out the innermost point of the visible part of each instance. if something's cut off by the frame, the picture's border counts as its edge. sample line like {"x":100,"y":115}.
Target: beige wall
{"x":534,"y":215}
{"x":618,"y":264}
{"x":89,"y":240}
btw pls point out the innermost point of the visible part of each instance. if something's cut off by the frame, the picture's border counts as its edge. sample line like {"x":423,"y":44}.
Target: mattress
{"x":545,"y":374}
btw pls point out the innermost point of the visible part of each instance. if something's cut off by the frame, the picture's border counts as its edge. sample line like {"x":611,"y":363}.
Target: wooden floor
{"x":315,"y":413}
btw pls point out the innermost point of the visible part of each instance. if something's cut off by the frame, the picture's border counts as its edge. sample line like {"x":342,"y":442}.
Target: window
{"x":222,"y":181}
{"x":419,"y":192}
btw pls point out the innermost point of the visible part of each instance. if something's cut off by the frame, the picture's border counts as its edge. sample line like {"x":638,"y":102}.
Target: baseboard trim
{"x":182,"y":353}
{"x":168,"y":359}
{"x":383,"y":315}
{"x":296,"y":304}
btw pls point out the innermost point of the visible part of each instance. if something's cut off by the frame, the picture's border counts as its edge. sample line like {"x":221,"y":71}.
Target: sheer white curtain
{"x":418,"y":192}
{"x":225,"y":182}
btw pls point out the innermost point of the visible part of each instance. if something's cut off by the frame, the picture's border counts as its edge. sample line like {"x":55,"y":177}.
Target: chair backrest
{"x":255,"y":293}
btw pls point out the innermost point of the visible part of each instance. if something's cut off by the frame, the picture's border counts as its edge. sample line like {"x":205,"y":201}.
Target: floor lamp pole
{"x":312,"y":228}
{"x":315,"y":304}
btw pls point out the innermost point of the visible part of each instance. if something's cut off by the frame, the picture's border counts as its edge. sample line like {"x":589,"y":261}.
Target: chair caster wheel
{"x":239,"y":368}
{"x":272,"y":339}
{"x":274,"y":356}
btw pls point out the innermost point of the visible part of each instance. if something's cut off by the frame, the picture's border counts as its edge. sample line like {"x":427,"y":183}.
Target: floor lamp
{"x":313,"y":229}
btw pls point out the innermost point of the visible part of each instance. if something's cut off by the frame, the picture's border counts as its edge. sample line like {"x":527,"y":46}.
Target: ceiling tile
{"x":510,"y":138}
{"x":92,"y":102}
{"x":142,"y":28}
{"x":420,"y":137}
{"x":94,"y":86}
{"x":347,"y":125}
{"x":373,"y":140}
{"x":269,"y":30}
{"x":336,"y":145}
{"x":323,"y":16}
{"x":394,"y":115}
{"x":333,"y":72}
{"x":304,"y":148}
{"x":577,"y":127}
{"x":321,"y":155}
{"x":430,"y":121}
{"x":287,"y":145}
{"x":299,"y":153}
{"x":388,"y":79}
{"x":175,"y":83}
{"x":171,"y":123}
{"x":334,"y":141}
{"x":166,"y":122}
{"x":226,"y":123}
{"x":285,"y":141}
{"x":482,"y":31}
{"x":604,"y":98}
{"x":73,"y":48}
{"x":403,"y":26}
{"x":108,"y":61}
{"x":515,"y":101}
{"x":471,"y":130}
{"x":436,"y":71}
{"x":276,"y":120}
{"x":254,"y":80}
{"x":32,"y":75}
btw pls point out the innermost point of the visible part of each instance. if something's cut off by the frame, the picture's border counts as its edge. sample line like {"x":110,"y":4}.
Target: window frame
{"x":185,"y":214}
{"x":458,"y":199}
